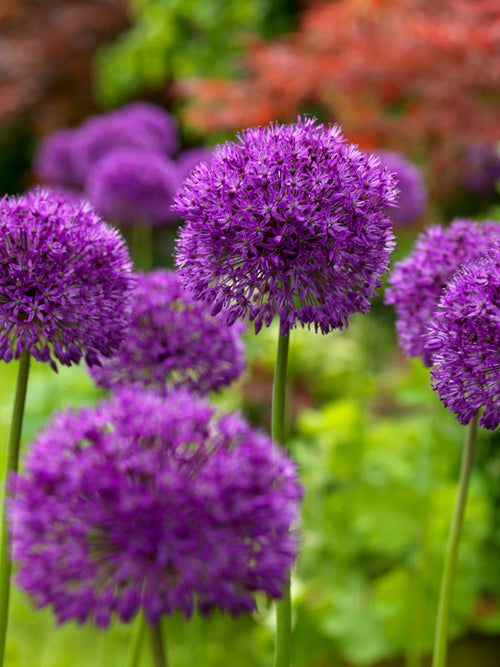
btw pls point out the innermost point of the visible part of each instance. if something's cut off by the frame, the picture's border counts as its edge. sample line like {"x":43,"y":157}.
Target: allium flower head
{"x":290,"y":221}
{"x":412,"y":191}
{"x":54,"y":160}
{"x":154,"y":121}
{"x":416,"y":282}
{"x":481,"y":168}
{"x":102,"y":134}
{"x":464,"y":340}
{"x":189,"y":159}
{"x":65,"y":280}
{"x":152,"y":503}
{"x":130,"y":186}
{"x":173,"y":341}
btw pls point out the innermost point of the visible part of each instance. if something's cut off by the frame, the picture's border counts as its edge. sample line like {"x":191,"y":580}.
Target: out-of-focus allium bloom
{"x":464,"y":340}
{"x":54,"y":160}
{"x":130,"y":186}
{"x":416,"y":282}
{"x":173,"y":341}
{"x":152,"y":503}
{"x":103,"y":134}
{"x":481,"y":168}
{"x":412,"y":191}
{"x":189,"y":159}
{"x":289,"y":221}
{"x":65,"y":281}
{"x":154,"y":121}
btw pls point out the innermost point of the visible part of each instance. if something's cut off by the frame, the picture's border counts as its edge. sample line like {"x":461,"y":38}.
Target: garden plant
{"x":250,"y":332}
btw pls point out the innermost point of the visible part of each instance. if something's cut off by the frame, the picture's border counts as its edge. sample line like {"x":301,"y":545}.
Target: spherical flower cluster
{"x":173,"y":341}
{"x":188,"y":160}
{"x":65,"y":281}
{"x":412,"y":191}
{"x":153,"y":121}
{"x":152,"y":503}
{"x":481,"y":168}
{"x":464,"y":340}
{"x":54,"y":159}
{"x":130,"y":186}
{"x":290,"y":221}
{"x":125,"y":128}
{"x":417,"y":282}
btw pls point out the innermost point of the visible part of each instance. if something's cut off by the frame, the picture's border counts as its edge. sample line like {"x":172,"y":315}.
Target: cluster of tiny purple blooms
{"x":126,"y":162}
{"x":148,"y":500}
{"x":446,"y":296}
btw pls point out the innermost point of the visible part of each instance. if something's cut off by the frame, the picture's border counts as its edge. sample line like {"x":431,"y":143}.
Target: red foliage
{"x":46,"y":52}
{"x":418,"y":76}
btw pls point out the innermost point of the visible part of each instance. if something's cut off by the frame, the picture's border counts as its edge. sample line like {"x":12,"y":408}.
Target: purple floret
{"x":65,"y":281}
{"x":290,"y":221}
{"x":412,"y":200}
{"x":54,"y":160}
{"x":153,"y":504}
{"x":416,"y":282}
{"x":130,"y":186}
{"x":173,"y":341}
{"x":464,"y":340}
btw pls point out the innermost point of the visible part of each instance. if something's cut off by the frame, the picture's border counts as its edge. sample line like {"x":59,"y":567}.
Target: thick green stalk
{"x":158,"y":645}
{"x":283,"y":606}
{"x":142,"y":246}
{"x":442,"y":621}
{"x":137,"y":641}
{"x":12,"y":466}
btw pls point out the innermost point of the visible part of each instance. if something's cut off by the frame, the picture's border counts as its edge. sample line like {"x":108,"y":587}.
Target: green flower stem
{"x":137,"y":641}
{"x":283,"y":606}
{"x":158,"y":645}
{"x":12,"y":466}
{"x":142,"y":246}
{"x":441,"y":637}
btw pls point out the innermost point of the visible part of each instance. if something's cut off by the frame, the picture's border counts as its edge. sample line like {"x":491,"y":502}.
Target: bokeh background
{"x":379,"y":456}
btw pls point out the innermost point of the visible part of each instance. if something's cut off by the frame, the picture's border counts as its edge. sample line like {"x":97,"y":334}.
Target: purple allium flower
{"x":124,"y":128}
{"x":65,"y":280}
{"x":189,"y":159}
{"x":130,"y":186}
{"x":153,"y":503}
{"x":154,"y":121}
{"x":417,"y":282}
{"x":173,"y":341}
{"x":412,"y":200}
{"x":464,"y":340}
{"x":288,"y":221}
{"x":55,"y":157}
{"x":481,"y":168}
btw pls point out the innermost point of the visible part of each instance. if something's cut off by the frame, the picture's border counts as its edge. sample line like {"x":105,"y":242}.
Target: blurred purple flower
{"x":173,"y":341}
{"x":290,"y":221}
{"x":416,"y":282}
{"x":153,"y":120}
{"x":464,"y":340}
{"x":65,"y":281}
{"x":131,"y":186}
{"x":139,"y":126}
{"x":54,"y":160}
{"x":412,"y":200}
{"x":188,"y":160}
{"x":152,"y":503}
{"x":481,"y":168}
